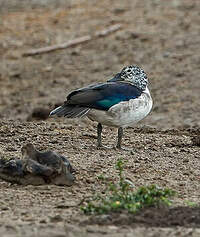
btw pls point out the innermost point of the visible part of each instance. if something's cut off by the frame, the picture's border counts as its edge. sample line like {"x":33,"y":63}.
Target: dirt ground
{"x":160,"y":36}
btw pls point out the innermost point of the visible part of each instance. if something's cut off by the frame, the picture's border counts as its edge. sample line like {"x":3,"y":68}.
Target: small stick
{"x":108,"y":30}
{"x":73,"y":42}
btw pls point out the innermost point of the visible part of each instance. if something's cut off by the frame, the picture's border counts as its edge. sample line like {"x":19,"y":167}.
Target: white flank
{"x":126,"y":113}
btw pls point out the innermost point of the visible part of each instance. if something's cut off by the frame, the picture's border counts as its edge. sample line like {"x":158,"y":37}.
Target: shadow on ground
{"x":152,"y":217}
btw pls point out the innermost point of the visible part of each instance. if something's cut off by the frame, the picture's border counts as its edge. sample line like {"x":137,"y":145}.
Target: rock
{"x":39,"y":114}
{"x":37,"y":168}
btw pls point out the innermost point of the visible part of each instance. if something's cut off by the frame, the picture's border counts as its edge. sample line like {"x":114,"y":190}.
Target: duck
{"x":120,"y":102}
{"x":37,"y":168}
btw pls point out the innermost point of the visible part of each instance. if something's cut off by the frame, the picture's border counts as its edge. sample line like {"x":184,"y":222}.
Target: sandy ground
{"x":160,"y":36}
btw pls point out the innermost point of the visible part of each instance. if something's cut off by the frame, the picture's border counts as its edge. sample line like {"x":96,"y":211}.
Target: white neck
{"x":147,"y":91}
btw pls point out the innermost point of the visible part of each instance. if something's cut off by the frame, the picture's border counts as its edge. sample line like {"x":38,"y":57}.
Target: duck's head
{"x":134,"y":75}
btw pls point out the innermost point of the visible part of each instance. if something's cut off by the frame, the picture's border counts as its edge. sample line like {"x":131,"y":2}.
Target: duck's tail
{"x":70,"y":111}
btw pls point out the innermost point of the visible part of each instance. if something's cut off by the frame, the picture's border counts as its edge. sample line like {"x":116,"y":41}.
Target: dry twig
{"x":73,"y":42}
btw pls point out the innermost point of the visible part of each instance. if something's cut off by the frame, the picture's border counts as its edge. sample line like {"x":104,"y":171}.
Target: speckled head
{"x":134,"y":75}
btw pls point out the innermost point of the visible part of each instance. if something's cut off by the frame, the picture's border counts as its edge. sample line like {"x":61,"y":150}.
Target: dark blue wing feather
{"x":103,"y":96}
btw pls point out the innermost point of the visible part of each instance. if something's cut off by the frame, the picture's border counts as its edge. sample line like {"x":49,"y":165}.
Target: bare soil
{"x":160,"y":36}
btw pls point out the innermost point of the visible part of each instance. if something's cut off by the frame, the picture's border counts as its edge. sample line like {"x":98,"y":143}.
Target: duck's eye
{"x":129,"y":70}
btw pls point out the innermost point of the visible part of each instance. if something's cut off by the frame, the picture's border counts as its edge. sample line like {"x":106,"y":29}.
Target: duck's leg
{"x":120,"y":134}
{"x":99,"y":130}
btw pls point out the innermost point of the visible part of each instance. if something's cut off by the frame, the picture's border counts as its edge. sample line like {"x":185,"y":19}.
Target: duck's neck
{"x":147,"y":91}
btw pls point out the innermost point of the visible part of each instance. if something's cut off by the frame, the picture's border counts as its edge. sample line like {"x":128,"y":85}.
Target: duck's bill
{"x":117,"y":77}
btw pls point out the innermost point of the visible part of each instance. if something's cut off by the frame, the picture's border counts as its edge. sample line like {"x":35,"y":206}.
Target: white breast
{"x":126,"y":113}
